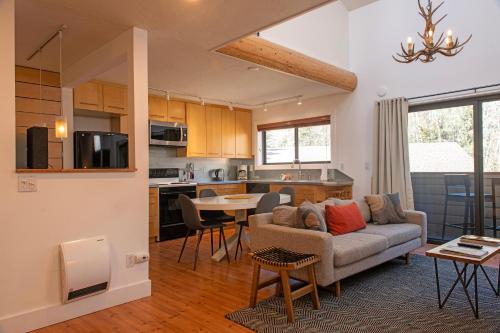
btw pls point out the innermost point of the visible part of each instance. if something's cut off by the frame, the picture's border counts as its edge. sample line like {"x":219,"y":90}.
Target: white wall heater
{"x":85,"y":268}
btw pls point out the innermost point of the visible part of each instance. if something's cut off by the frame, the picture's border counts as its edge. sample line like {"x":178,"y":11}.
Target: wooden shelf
{"x":75,"y":170}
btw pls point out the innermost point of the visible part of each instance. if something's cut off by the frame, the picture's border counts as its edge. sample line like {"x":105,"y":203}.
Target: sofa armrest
{"x":420,"y":218}
{"x":265,"y":234}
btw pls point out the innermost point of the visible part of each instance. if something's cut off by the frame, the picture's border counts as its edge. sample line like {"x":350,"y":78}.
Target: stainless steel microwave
{"x":167,"y":134}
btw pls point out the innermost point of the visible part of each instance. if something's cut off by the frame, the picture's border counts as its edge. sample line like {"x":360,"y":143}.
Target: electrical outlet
{"x":26,"y":184}
{"x":130,"y":260}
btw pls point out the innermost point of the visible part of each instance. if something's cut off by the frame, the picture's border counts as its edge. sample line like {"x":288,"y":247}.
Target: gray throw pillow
{"x":384,"y":208}
{"x":285,"y":216}
{"x":362,"y":205}
{"x":310,"y":217}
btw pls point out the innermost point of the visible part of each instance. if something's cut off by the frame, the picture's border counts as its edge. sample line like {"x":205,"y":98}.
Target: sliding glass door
{"x":491,"y":165}
{"x":454,"y":161}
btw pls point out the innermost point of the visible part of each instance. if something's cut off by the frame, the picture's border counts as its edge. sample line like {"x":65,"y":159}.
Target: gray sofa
{"x":344,"y":255}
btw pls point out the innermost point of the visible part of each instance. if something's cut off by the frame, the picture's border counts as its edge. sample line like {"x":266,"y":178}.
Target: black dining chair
{"x":265,"y":205}
{"x":213,"y":216}
{"x":193,"y":223}
{"x":494,"y":183}
{"x":291,"y":192}
{"x":458,"y":189}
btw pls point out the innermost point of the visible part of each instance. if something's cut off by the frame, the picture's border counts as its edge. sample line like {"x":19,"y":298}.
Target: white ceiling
{"x":182,"y":34}
{"x":355,"y":4}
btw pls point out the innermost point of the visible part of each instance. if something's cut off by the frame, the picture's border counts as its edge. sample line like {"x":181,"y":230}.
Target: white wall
{"x":375,"y":32}
{"x":321,"y":34}
{"x":65,"y":207}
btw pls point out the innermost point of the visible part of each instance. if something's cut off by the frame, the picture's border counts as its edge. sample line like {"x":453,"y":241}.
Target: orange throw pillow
{"x":344,"y":219}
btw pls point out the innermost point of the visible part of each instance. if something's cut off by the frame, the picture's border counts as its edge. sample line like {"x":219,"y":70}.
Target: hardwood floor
{"x":182,"y":300}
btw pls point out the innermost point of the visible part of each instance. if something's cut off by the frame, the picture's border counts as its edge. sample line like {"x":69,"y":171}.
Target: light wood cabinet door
{"x":213,"y":115}
{"x":176,"y":112}
{"x":197,"y":130}
{"x":228,"y":123}
{"x":243,"y":130}
{"x":88,"y":96}
{"x":157,"y":108}
{"x":153,"y":215}
{"x":114,"y":98}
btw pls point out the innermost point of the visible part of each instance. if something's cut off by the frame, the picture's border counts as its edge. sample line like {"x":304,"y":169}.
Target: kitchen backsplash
{"x":162,"y":157}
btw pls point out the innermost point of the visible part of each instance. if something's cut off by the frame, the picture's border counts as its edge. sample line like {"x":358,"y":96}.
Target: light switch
{"x":26,"y":184}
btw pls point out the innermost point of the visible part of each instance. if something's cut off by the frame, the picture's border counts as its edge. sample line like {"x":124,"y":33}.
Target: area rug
{"x":392,"y":297}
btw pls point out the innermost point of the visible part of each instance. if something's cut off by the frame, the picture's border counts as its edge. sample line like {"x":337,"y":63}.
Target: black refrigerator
{"x":94,"y":150}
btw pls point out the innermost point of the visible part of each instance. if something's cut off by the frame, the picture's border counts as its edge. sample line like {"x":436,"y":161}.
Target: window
{"x":307,"y":140}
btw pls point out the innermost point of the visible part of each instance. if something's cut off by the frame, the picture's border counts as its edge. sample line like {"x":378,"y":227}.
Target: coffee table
{"x":462,"y":274}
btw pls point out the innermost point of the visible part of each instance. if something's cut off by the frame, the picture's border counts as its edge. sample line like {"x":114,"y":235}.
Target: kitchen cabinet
{"x":157,"y":108}
{"x":114,"y":98}
{"x":197,"y":130}
{"x":315,"y":193}
{"x":176,"y":112}
{"x":214,"y":132}
{"x":88,"y":96}
{"x":228,"y":141}
{"x":153,"y":214}
{"x":101,"y":97}
{"x":243,"y":133}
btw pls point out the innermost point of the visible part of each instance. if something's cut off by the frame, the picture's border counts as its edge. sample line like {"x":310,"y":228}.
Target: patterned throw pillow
{"x":285,"y":216}
{"x":386,"y":208}
{"x":310,"y":216}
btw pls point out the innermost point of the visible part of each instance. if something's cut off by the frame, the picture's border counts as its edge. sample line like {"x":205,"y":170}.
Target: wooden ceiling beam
{"x":265,"y":53}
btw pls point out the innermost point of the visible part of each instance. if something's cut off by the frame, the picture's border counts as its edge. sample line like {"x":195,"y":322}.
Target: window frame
{"x":296,"y":146}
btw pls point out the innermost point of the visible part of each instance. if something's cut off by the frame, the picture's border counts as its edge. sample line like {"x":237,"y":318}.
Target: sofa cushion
{"x":343,"y":219}
{"x":395,"y":233}
{"x":384,"y":208}
{"x":310,"y":217}
{"x":362,"y":205}
{"x":355,"y":246}
{"x":285,"y":216}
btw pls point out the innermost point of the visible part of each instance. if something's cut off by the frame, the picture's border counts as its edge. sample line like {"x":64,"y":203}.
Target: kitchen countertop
{"x":272,"y":181}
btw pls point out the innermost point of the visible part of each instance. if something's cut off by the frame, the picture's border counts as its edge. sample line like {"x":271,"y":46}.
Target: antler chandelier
{"x":444,"y":45}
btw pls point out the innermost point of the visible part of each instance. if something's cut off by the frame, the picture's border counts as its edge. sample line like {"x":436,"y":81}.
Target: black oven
{"x":171,"y":223}
{"x":167,"y":134}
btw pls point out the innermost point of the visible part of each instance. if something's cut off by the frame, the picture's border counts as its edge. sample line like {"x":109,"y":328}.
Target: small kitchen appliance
{"x":243,"y":172}
{"x":217,"y":175}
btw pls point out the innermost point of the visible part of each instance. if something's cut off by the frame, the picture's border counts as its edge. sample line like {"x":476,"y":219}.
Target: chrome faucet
{"x":295,"y":161}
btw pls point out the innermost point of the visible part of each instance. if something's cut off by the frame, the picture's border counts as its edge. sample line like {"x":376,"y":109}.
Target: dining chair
{"x":265,"y":205}
{"x":291,"y":192}
{"x":213,"y":216}
{"x":193,"y":223}
{"x":458,"y":189}
{"x":494,"y":183}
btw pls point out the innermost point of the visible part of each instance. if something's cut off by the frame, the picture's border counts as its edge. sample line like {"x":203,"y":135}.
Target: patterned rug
{"x":393,"y":297}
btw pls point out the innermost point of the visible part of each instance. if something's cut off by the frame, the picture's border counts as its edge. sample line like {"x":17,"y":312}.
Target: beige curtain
{"x":391,"y":167}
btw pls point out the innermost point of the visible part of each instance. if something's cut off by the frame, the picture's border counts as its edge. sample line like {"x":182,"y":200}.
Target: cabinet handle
{"x":115,"y":107}
{"x":86,"y":103}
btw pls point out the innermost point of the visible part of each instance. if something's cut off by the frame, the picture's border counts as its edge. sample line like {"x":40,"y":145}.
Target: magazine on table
{"x":464,"y":251}
{"x":488,"y":241}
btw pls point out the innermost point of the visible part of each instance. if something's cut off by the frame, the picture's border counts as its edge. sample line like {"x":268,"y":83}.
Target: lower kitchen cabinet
{"x":315,"y":193}
{"x":153,"y":214}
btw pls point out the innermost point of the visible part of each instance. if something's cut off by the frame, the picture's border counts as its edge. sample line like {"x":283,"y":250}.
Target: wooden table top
{"x":436,"y":253}
{"x":222,"y":203}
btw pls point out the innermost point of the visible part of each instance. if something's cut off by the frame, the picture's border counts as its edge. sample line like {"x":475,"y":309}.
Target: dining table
{"x":239,"y":203}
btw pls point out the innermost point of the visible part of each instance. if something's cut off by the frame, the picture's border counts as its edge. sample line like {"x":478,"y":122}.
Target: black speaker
{"x":38,"y":147}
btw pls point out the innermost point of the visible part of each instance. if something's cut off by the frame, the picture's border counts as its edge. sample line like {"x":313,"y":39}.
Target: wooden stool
{"x":281,"y":261}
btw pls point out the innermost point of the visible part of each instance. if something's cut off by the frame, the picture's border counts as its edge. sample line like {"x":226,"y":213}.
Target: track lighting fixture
{"x":265,"y":108}
{"x":299,"y":101}
{"x":231,"y":106}
{"x":167,"y":96}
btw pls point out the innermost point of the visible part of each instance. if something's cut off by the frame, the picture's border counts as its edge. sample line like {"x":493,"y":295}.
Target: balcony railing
{"x":430,"y":194}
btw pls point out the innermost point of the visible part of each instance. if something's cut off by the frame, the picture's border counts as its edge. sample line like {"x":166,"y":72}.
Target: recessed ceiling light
{"x":254,"y":68}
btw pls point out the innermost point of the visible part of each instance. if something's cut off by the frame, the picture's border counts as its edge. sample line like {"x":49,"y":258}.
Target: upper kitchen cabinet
{"x":88,"y":96}
{"x":101,"y":97}
{"x":228,"y":123}
{"x":157,"y":108}
{"x":243,"y":133}
{"x":176,"y":112}
{"x":214,"y":131}
{"x":197,"y":130}
{"x":114,"y":98}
